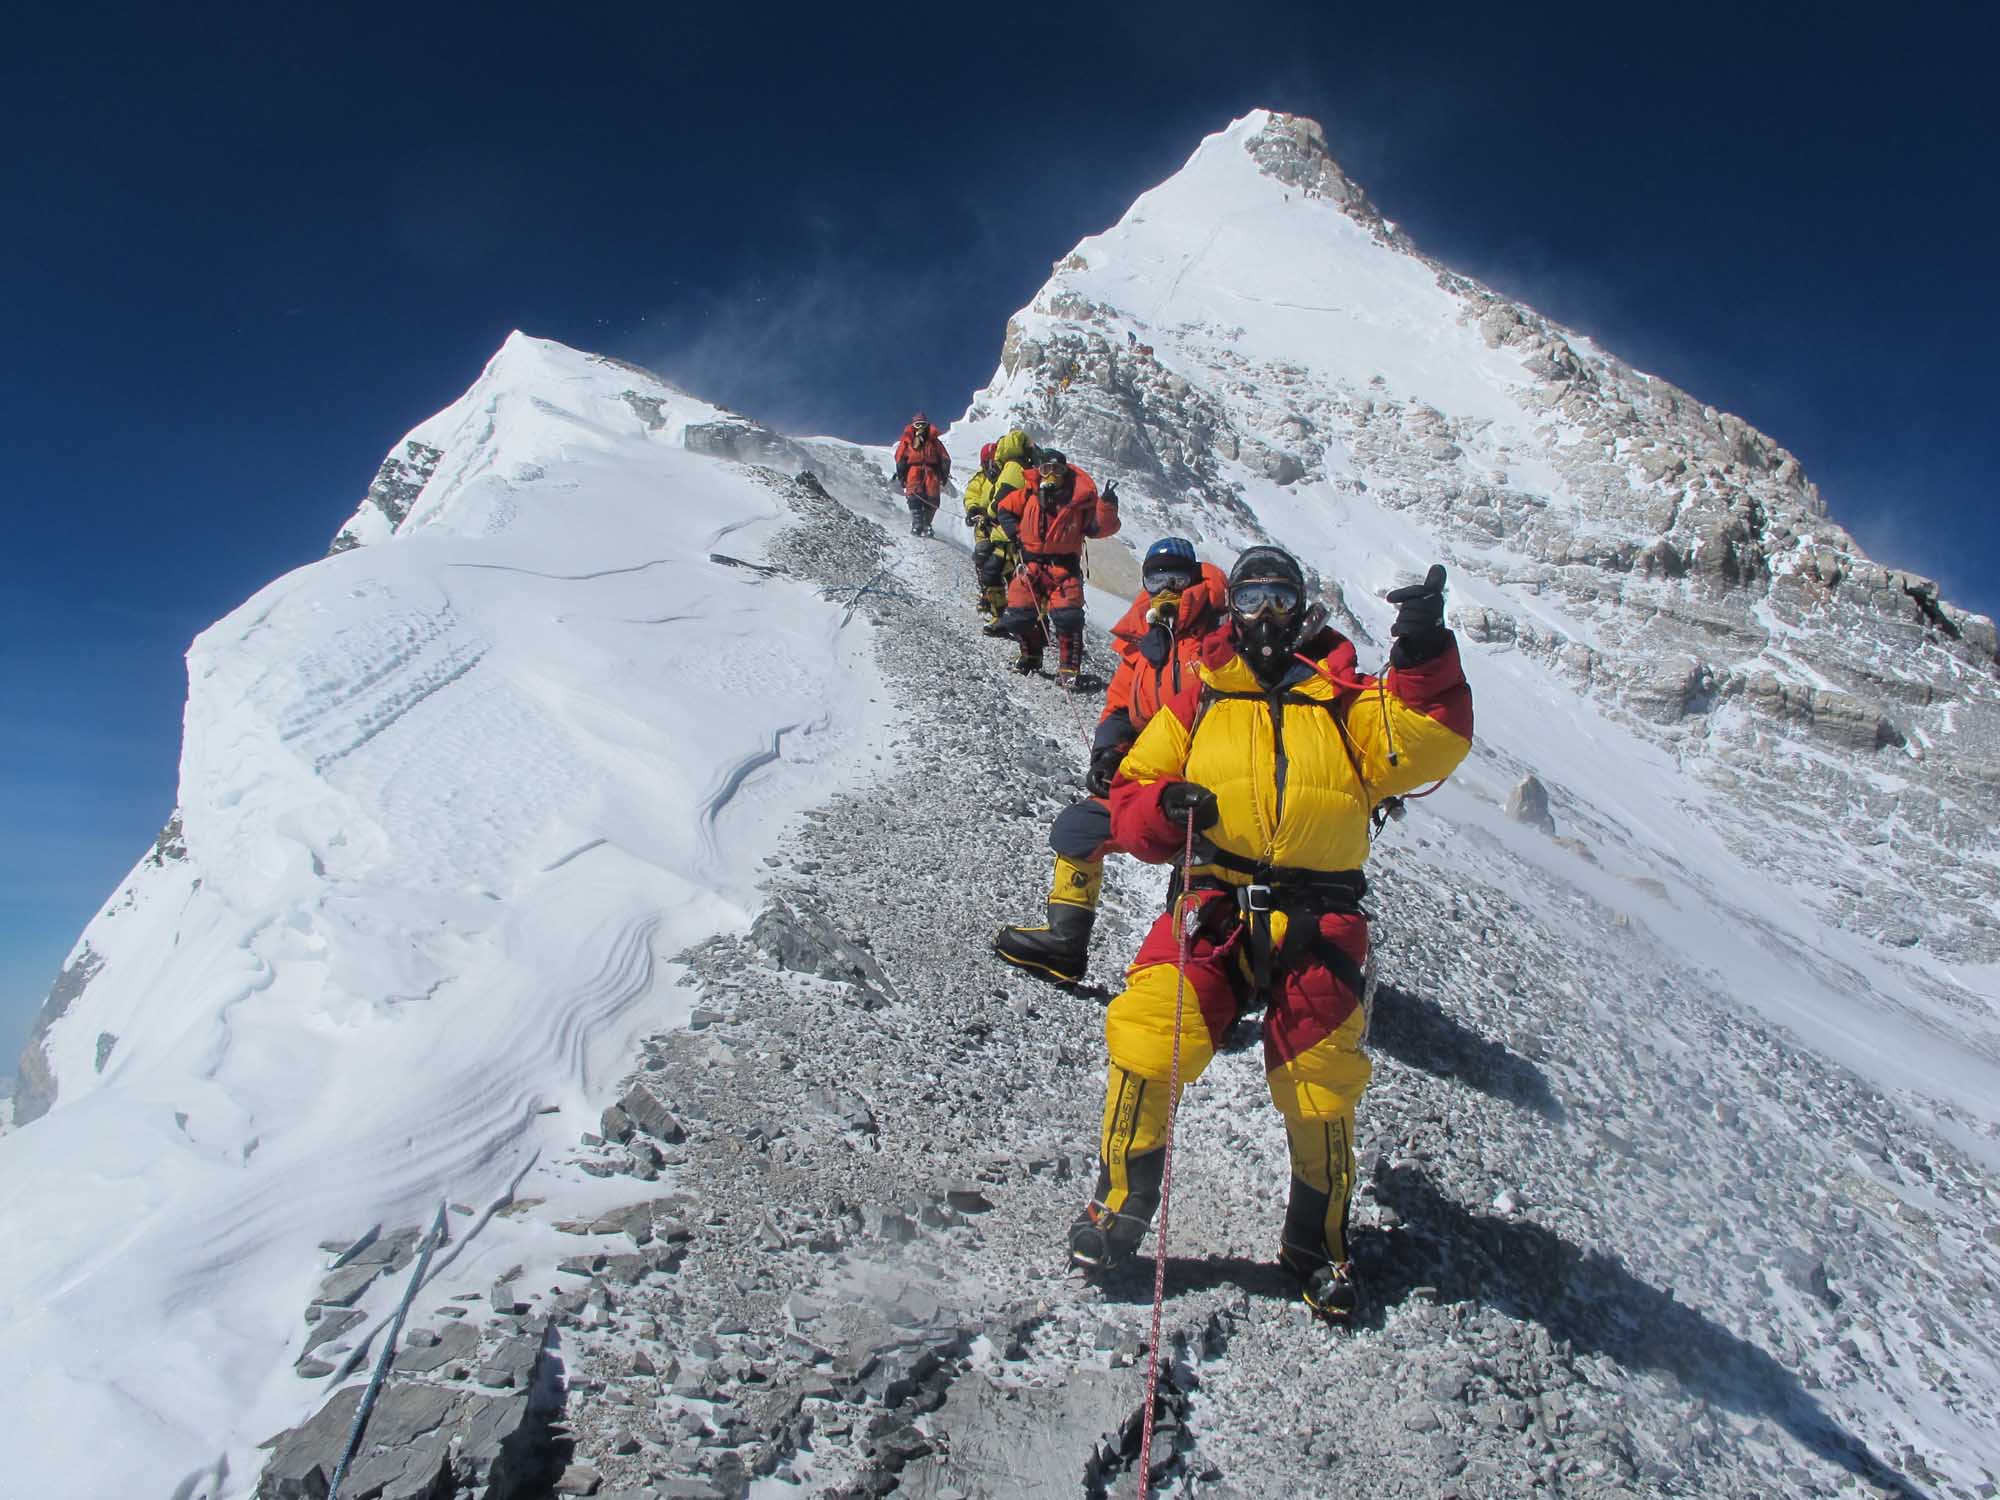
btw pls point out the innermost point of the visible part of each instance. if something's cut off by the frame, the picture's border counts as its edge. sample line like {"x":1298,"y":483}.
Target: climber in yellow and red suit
{"x":1159,"y":644}
{"x":1049,"y":518}
{"x":1276,"y":757}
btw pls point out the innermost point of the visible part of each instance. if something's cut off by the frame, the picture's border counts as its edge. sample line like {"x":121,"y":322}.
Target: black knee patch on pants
{"x":1066,"y":621}
{"x":1082,"y":829}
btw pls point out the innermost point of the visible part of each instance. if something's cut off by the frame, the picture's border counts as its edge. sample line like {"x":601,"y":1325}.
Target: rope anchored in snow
{"x":1188,"y":916}
{"x":367,"y":1404}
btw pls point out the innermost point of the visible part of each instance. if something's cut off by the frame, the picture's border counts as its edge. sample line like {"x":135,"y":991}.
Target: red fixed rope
{"x":1182,"y":915}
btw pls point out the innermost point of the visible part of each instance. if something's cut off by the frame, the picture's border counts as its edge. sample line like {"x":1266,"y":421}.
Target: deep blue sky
{"x":247,"y":249}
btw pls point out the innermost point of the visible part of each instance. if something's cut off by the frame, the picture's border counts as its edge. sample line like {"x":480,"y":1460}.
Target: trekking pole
{"x":1186,"y":917}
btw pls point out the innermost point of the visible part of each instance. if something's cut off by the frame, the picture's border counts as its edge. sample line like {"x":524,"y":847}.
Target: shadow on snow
{"x":1530,"y":1273}
{"x":1420,"y":1033}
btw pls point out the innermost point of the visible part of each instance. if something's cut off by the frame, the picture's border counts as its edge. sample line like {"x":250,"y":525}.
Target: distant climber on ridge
{"x":1159,"y":644}
{"x":1049,"y":518}
{"x":922,"y":467}
{"x":1270,"y":762}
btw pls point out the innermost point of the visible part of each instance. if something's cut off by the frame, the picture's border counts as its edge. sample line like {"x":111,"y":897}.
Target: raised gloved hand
{"x":1419,"y":631}
{"x":1109,"y":494}
{"x":1184,"y":800}
{"x":1104,"y":765}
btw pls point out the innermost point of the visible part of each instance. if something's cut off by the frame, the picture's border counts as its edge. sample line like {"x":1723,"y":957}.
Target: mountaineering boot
{"x":1100,"y":1240}
{"x":1069,"y":656}
{"x":1326,"y":1286}
{"x":1060,"y":948}
{"x":1028,"y":664}
{"x":1059,"y":951}
{"x":1131,"y":1173}
{"x":994,"y":628}
{"x":994,"y":600}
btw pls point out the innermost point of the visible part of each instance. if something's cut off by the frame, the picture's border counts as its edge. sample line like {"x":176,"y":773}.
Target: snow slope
{"x":451,"y":804}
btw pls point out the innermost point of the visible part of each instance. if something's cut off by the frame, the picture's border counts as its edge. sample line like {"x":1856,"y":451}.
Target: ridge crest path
{"x":1588,"y":1265}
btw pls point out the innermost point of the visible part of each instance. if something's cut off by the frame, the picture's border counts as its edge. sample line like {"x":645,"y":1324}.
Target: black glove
{"x":1110,"y":494}
{"x":973,"y":517}
{"x":1103,"y":766}
{"x":1183,"y":800}
{"x":1419,"y":631}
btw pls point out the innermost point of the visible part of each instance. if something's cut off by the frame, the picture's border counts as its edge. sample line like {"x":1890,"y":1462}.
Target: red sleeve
{"x":1137,"y":824}
{"x":902,"y":450}
{"x":1014,"y":502}
{"x":1437,"y":689}
{"x":1107,"y":521}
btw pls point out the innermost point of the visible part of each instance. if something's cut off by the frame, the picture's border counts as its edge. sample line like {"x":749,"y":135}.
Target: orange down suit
{"x":1296,"y":771}
{"x":923,"y":467}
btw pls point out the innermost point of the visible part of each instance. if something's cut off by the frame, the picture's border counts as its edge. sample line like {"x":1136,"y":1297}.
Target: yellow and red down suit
{"x":1050,"y":531}
{"x":993,"y":553}
{"x":1296,"y":771}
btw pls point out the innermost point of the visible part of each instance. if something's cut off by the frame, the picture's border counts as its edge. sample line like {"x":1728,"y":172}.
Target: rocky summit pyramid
{"x":602,"y":842}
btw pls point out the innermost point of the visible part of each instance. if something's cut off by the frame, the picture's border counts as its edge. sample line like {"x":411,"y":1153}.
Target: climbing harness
{"x":1189,"y":915}
{"x":367,"y":1404}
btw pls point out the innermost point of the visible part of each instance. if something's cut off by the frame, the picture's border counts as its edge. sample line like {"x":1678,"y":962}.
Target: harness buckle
{"x":1254,"y":897}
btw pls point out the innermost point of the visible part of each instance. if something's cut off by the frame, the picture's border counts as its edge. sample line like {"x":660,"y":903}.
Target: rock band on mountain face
{"x":1238,"y":731}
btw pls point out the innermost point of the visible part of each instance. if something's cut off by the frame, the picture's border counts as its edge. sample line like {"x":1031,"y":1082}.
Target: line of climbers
{"x":1237,"y":726}
{"x":1031,"y":511}
{"x":1236,"y":709}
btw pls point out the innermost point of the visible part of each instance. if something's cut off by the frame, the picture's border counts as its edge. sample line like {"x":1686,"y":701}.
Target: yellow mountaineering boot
{"x":1060,"y":948}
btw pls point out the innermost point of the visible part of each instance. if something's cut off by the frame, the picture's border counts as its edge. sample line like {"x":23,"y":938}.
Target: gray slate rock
{"x":455,"y":1343}
{"x":1529,"y":803}
{"x":650,"y":1115}
{"x":345,"y":1286}
{"x":421,"y":1440}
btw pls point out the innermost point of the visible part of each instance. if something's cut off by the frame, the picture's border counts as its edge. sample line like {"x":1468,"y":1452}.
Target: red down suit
{"x":1050,"y":525}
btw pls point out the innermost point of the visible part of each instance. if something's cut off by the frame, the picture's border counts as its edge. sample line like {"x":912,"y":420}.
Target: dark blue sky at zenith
{"x":247,"y":249}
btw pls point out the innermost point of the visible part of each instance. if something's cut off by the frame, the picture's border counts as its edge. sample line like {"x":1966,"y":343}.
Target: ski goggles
{"x":1173,"y":578}
{"x":1257,"y":597}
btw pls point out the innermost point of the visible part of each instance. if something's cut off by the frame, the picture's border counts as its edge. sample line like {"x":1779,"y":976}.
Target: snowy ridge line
{"x":1575,"y":1075}
{"x":382,"y":933}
